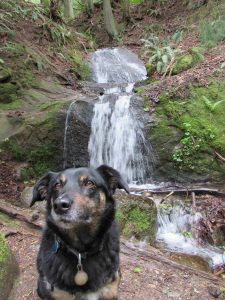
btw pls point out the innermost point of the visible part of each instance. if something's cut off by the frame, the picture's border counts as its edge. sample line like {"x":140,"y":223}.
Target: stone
{"x":25,"y":200}
{"x":214,"y":291}
{"x":136,"y":217}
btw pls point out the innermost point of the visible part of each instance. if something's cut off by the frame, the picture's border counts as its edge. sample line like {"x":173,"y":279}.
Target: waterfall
{"x":178,"y":229}
{"x":116,"y":138}
{"x":116,"y":135}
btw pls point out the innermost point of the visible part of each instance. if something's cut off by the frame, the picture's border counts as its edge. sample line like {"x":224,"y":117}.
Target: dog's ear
{"x":41,"y":188}
{"x":113,"y":179}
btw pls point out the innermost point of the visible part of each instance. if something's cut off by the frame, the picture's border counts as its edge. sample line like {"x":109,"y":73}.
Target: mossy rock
{"x":136,"y":217}
{"x":8,"y":269}
{"x":189,"y":60}
{"x":187,"y":133}
{"x":183,"y":63}
{"x":8,"y":92}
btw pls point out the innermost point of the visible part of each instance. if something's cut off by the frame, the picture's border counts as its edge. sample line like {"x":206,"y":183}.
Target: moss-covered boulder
{"x":8,"y":269}
{"x":183,"y":63}
{"x":188,"y":133}
{"x":136,"y":217}
{"x":187,"y":61}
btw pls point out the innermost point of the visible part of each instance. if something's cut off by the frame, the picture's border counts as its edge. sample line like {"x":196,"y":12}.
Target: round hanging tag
{"x":81,"y":278}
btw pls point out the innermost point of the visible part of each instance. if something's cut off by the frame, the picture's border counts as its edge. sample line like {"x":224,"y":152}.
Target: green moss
{"x":11,"y":146}
{"x":200,"y":119}
{"x":4,"y":250}
{"x":79,"y":66}
{"x":137,"y":219}
{"x":8,"y":92}
{"x":5,"y":258}
{"x":183,"y":63}
{"x":5,"y":73}
{"x":8,"y":269}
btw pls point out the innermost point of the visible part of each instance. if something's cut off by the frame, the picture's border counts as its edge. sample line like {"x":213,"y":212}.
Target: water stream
{"x":116,"y":135}
{"x":178,"y":230}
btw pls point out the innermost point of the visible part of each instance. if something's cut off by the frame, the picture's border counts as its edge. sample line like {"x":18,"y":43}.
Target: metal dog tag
{"x":81,"y":278}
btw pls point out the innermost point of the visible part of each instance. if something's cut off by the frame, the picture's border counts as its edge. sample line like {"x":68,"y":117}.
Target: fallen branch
{"x":187,"y":191}
{"x":193,"y":201}
{"x":167,"y":196}
{"x":147,"y":255}
{"x":11,"y":212}
{"x":220,"y":156}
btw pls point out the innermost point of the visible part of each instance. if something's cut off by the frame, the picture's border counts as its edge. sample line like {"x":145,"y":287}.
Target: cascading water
{"x":178,"y":229}
{"x":115,"y":139}
{"x":116,"y":136}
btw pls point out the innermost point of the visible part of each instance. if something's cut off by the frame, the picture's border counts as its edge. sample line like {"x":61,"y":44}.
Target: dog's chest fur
{"x":60,"y":268}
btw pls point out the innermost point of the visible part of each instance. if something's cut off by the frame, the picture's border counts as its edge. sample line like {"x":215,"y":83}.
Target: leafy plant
{"x":58,"y":33}
{"x":161,"y":54}
{"x":211,"y":33}
{"x":165,"y":208}
{"x":190,"y":146}
{"x":194,"y":4}
{"x":137,"y":270}
{"x":187,"y":234}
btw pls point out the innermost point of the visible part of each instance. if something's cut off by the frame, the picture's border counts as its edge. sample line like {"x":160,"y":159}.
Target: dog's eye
{"x":90,"y":184}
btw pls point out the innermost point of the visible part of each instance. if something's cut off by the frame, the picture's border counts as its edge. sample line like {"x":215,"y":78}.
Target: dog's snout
{"x":62,"y":205}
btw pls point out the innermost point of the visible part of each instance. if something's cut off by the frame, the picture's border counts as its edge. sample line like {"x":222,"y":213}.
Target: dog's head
{"x":77,"y":197}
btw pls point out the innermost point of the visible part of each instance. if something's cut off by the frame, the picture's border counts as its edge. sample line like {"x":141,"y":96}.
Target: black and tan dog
{"x":79,"y":253}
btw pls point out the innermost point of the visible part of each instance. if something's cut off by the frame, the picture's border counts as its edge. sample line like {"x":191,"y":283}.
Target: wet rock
{"x":77,"y":135}
{"x":214,"y":291}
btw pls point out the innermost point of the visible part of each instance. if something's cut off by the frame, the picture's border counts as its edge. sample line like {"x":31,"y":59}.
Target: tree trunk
{"x":90,"y":7}
{"x":109,"y":19}
{"x":126,"y":10}
{"x":68,"y":9}
{"x":54,"y":9}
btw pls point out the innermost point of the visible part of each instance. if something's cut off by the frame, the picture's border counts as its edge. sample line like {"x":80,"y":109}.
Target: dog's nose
{"x":61,"y":206}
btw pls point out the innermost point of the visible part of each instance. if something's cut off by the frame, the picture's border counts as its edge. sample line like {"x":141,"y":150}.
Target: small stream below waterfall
{"x":117,"y":139}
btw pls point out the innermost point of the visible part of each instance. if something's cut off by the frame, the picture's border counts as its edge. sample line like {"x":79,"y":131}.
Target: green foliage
{"x":79,"y":66}
{"x":160,"y":54}
{"x":187,"y":234}
{"x":199,"y":120}
{"x":8,"y":93}
{"x":211,"y":33}
{"x":190,"y":145}
{"x":165,"y":208}
{"x":194,"y":4}
{"x":12,"y":147}
{"x":78,"y":7}
{"x":137,"y":219}
{"x":137,"y":270}
{"x":58,"y":33}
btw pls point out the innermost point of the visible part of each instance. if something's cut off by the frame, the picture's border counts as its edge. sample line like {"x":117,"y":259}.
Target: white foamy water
{"x":115,"y":139}
{"x":117,"y":65}
{"x":172,"y":228}
{"x":116,"y":135}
